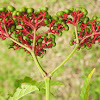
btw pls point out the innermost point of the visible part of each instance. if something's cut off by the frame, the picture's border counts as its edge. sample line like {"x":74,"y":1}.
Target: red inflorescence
{"x":6,"y":20}
{"x":88,"y":30}
{"x":21,"y":28}
{"x":73,"y":17}
{"x":88,"y":34}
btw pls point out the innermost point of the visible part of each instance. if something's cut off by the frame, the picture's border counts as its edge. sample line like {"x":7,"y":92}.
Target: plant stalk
{"x":77,"y":41}
{"x":34,"y":40}
{"x":74,"y":50}
{"x":20,"y":44}
{"x":38,"y":64}
{"x":64,"y":60}
{"x":47,"y":85}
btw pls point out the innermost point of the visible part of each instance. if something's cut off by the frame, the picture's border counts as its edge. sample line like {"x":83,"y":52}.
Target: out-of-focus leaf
{"x":85,"y":88}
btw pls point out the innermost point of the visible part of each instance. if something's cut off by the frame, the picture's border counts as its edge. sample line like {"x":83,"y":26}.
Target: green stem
{"x":34,"y":40}
{"x":77,"y":41}
{"x":34,"y":57}
{"x":77,"y":45}
{"x":33,"y":54}
{"x":64,"y":60}
{"x":20,"y":44}
{"x":47,"y":85}
{"x":38,"y":65}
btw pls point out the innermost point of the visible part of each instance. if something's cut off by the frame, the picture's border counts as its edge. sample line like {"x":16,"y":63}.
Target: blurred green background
{"x":18,"y":64}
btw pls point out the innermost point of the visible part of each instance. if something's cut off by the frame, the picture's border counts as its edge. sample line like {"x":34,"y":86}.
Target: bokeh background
{"x":18,"y":64}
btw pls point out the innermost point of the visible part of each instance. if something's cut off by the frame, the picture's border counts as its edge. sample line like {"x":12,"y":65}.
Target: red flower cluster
{"x":88,"y":31}
{"x":22,"y":25}
{"x":72,"y":17}
{"x":5,"y":24}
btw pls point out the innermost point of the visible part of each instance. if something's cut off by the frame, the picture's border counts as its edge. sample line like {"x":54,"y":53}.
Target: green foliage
{"x":41,"y":84}
{"x":95,"y":88}
{"x":53,"y":83}
{"x":85,"y":89}
{"x":24,"y":90}
{"x":25,"y":80}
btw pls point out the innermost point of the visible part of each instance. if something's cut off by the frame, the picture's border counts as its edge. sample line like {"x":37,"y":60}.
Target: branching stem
{"x":59,"y":66}
{"x":89,"y":36}
{"x":77,"y":45}
{"x":38,"y":64}
{"x":43,"y":33}
{"x":34,"y":40}
{"x":77,"y":41}
{"x":31,"y":51}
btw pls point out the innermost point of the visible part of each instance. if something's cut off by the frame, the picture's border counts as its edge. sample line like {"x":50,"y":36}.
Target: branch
{"x":89,"y":36}
{"x":77,"y":41}
{"x":43,"y":33}
{"x":65,"y":60}
{"x":34,"y":40}
{"x":27,"y":48}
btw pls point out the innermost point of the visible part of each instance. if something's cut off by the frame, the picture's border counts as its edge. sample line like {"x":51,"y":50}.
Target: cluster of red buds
{"x":23,"y":26}
{"x":88,"y":30}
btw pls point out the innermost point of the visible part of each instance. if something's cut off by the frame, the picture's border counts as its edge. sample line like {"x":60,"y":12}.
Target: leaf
{"x":29,"y":80}
{"x":25,"y":80}
{"x":85,"y":88}
{"x":41,"y":84}
{"x":24,"y":90}
{"x":52,"y":83}
{"x":41,"y":91}
{"x":18,"y":83}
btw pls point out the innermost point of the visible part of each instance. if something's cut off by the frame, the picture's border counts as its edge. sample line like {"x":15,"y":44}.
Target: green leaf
{"x":41,"y":91}
{"x":24,"y":90}
{"x":41,"y":84}
{"x":85,"y":88}
{"x":29,"y":80}
{"x":52,"y":83}
{"x":25,"y":80}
